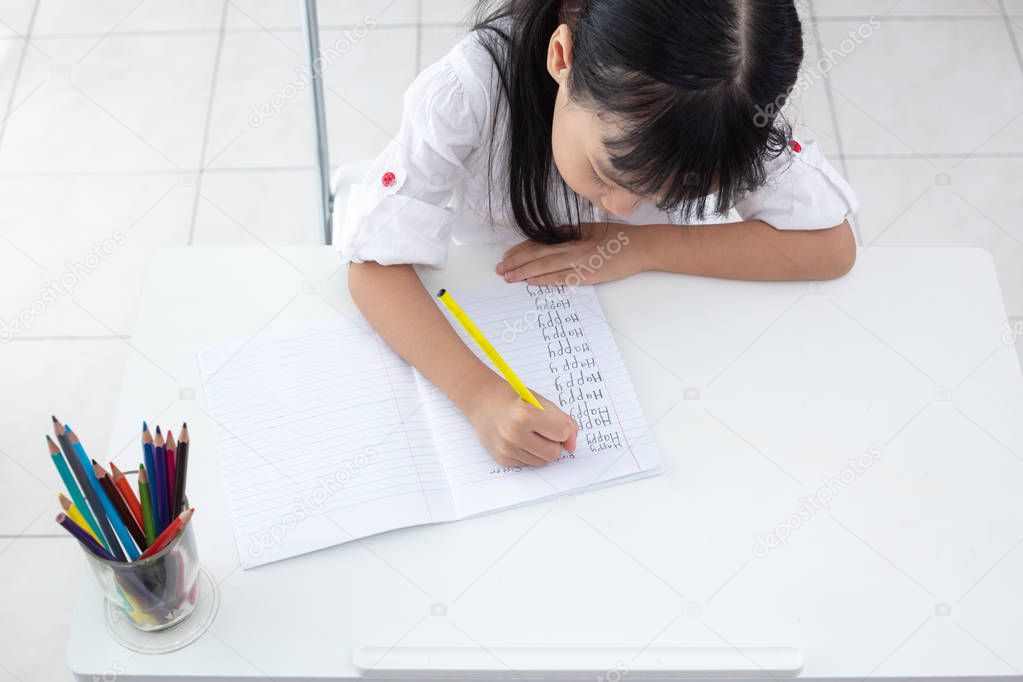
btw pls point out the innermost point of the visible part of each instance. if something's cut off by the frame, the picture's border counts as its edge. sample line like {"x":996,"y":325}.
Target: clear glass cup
{"x":154,"y":593}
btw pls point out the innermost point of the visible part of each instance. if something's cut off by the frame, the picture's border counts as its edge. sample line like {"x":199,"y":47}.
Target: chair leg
{"x":312,"y":36}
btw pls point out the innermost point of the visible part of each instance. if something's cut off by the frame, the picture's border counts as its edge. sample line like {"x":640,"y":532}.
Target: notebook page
{"x":559,"y":343}
{"x":322,"y":440}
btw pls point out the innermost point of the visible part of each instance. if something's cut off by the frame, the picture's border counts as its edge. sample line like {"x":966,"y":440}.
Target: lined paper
{"x":325,"y":435}
{"x":558,"y":342}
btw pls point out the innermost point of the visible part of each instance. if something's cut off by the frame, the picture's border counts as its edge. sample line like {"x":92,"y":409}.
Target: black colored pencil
{"x":90,"y":492}
{"x":181,"y":471}
{"x":120,"y":505}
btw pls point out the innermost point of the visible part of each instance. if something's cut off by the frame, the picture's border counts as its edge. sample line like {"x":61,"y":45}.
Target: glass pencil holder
{"x":157,"y":592}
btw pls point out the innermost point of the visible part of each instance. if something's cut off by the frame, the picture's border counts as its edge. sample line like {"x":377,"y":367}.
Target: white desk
{"x":914,"y":570}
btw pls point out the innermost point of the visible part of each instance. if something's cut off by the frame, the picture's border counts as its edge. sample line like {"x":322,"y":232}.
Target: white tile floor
{"x":135,"y":121}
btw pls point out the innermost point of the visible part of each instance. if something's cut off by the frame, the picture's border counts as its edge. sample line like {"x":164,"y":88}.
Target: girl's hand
{"x":601,"y":254}
{"x":516,"y":433}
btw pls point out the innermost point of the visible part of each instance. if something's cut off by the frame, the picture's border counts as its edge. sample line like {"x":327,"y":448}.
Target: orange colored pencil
{"x":123,"y":487}
{"x":169,"y":533}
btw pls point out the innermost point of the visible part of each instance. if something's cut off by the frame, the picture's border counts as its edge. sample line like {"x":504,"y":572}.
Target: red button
{"x":388,"y":179}
{"x":796,"y":147}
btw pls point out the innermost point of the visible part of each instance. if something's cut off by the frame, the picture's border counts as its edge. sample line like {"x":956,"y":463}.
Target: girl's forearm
{"x":749,"y":250}
{"x":396,"y":303}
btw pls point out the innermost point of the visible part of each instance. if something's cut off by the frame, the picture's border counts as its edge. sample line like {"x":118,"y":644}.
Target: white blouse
{"x":432,"y":184}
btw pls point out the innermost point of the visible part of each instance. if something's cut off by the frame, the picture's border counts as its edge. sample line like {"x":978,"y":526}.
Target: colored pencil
{"x":149,"y":603}
{"x":170,"y":532}
{"x":127,"y":542}
{"x":123,"y":513}
{"x":147,"y":506}
{"x":133,"y":610}
{"x":181,"y":470}
{"x":121,"y":533}
{"x":510,"y":376}
{"x":79,"y":504}
{"x":171,"y":478}
{"x":83,"y":537}
{"x":149,"y":457}
{"x":158,"y":486}
{"x":127,"y":493}
{"x":72,"y":512}
{"x":90,"y":488}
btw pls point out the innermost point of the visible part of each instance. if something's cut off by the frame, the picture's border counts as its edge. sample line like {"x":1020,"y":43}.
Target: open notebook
{"x":326,"y":435}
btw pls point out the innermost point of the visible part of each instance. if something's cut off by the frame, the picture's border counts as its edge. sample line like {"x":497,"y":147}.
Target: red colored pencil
{"x":169,"y":533}
{"x":127,"y":493}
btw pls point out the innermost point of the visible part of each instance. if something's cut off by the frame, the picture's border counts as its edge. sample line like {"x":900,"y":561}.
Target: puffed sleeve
{"x":802,"y":192}
{"x":399,"y":213}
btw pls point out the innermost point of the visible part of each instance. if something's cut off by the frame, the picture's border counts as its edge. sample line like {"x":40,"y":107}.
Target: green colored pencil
{"x":147,"y":506}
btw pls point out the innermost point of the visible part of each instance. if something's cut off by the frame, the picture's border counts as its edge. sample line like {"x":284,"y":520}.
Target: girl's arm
{"x":750,"y":250}
{"x":400,"y":309}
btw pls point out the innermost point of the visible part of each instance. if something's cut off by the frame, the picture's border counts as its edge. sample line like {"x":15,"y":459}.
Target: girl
{"x":573,"y":123}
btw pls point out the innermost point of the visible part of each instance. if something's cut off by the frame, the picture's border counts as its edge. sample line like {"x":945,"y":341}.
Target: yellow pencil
{"x":481,"y":340}
{"x":72,"y":513}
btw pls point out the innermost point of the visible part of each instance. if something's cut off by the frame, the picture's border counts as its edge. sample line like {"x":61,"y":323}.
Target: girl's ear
{"x":559,"y":54}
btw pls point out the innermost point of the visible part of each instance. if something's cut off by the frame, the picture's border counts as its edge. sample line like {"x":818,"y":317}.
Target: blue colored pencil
{"x":89,"y":487}
{"x":108,"y":507}
{"x":149,"y":458}
{"x":72,"y":487}
{"x":159,"y":484}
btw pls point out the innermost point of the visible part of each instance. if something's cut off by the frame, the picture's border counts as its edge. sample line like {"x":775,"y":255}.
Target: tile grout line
{"x":73,"y":337}
{"x":33,"y":536}
{"x":834,"y":113}
{"x":419,"y":36}
{"x":16,"y":81}
{"x":209,"y":120}
{"x":866,"y":156}
{"x":158,"y":171}
{"x":909,"y":156}
{"x":457,"y":24}
{"x":1012,"y":34}
{"x":214,"y":31}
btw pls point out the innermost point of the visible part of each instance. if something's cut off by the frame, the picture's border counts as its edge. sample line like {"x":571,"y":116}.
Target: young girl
{"x":566,"y":124}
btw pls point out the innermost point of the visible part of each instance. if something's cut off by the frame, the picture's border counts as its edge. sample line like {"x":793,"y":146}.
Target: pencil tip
{"x":54,"y":418}
{"x":158,"y":429}
{"x":441,"y":292}
{"x":145,"y":427}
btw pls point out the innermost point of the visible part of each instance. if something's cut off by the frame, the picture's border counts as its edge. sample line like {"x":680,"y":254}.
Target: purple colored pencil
{"x":83,"y":537}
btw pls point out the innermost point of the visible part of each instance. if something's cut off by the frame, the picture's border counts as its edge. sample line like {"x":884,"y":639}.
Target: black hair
{"x":696,"y":86}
